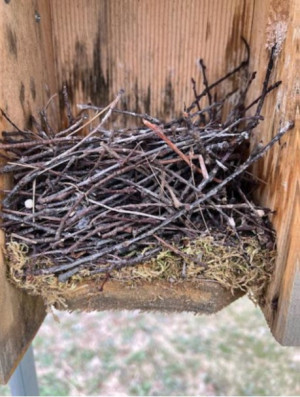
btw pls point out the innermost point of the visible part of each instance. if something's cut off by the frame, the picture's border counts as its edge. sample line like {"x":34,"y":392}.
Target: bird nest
{"x":160,"y":200}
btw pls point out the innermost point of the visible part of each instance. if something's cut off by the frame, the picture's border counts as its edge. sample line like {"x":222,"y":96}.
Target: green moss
{"x":241,"y":265}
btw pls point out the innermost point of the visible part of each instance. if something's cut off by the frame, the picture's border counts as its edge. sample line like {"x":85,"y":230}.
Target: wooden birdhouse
{"x":151,"y":49}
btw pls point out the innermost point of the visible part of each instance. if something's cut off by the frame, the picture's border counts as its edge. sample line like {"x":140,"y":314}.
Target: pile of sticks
{"x":116,"y":198}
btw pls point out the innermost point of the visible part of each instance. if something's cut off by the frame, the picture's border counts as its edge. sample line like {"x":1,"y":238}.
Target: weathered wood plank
{"x":286,"y":324}
{"x":277,"y":21}
{"x":26,"y":68}
{"x":149,"y":48}
{"x":203,"y":296}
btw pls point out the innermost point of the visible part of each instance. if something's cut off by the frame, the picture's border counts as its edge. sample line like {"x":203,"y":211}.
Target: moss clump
{"x":244,"y":266}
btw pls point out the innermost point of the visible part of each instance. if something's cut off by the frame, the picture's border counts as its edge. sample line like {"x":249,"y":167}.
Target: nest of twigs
{"x":160,"y":200}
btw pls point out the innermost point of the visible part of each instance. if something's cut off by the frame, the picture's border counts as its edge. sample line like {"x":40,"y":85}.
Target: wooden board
{"x":26,"y":68}
{"x":202,"y":297}
{"x":278,"y":21}
{"x":150,"y":48}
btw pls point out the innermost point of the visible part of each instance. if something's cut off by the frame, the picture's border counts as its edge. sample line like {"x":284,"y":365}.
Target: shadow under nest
{"x":157,"y":201}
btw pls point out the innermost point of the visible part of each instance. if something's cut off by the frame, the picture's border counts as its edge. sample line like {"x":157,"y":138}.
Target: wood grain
{"x":26,"y":68}
{"x":203,"y":297}
{"x":150,"y":48}
{"x":280,"y":169}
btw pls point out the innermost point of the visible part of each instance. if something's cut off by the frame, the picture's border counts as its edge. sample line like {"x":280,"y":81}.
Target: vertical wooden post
{"x":278,"y":22}
{"x":27,"y":79}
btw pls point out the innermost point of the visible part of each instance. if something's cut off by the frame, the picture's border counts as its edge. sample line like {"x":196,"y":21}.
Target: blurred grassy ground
{"x":131,"y":353}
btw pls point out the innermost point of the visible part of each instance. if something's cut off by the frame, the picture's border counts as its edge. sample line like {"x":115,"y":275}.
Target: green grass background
{"x":132,"y":353}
